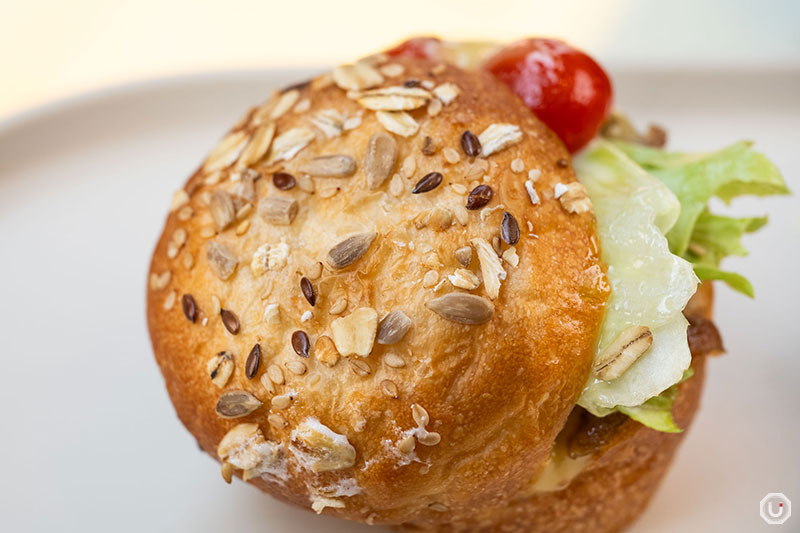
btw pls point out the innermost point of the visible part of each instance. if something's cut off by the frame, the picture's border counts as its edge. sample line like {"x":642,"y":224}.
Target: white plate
{"x":90,"y":441}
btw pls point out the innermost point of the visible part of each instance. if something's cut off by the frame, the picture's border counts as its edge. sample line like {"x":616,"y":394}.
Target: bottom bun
{"x":621,"y":471}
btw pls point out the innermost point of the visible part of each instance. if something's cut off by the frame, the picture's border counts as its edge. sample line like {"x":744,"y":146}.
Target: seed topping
{"x":509,"y":229}
{"x":462,"y":308}
{"x":220,"y":368}
{"x":189,"y":308}
{"x":623,"y":351}
{"x":300,"y":343}
{"x":283,"y":181}
{"x":350,"y":250}
{"x":230,"y":321}
{"x":380,"y":159}
{"x":308,"y":291}
{"x":479,"y":197}
{"x":330,"y":166}
{"x":393,"y":327}
{"x":253,"y":360}
{"x":429,"y":182}
{"x":236,"y":403}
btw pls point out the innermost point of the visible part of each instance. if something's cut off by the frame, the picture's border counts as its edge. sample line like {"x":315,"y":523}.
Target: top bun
{"x":350,"y":345}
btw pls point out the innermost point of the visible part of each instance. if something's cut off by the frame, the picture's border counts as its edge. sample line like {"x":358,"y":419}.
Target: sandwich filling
{"x":659,"y":240}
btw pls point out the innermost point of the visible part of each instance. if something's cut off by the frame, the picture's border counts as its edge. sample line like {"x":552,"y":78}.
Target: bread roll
{"x":358,"y":306}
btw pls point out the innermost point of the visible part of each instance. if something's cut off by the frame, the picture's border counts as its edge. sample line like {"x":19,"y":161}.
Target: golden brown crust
{"x":628,"y":463}
{"x":497,"y":393}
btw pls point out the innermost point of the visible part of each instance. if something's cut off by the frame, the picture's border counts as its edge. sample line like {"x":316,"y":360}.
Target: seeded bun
{"x":616,"y":464}
{"x":336,"y":326}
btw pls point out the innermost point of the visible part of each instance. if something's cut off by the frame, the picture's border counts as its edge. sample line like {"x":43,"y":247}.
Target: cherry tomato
{"x":564,"y":87}
{"x":417,"y":48}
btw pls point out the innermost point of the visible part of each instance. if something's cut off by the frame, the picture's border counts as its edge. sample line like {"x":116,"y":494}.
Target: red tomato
{"x":417,"y":48}
{"x":564,"y":87}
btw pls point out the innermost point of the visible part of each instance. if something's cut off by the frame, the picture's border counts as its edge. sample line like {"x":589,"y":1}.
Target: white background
{"x":52,"y":48}
{"x":89,"y":439}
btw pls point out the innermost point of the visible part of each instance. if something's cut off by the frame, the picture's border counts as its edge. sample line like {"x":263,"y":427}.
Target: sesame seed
{"x":306,"y":316}
{"x":359,"y":367}
{"x":296,"y":367}
{"x":517,"y":165}
{"x":389,"y":388}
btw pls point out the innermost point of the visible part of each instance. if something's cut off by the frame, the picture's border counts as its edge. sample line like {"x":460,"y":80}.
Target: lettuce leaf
{"x":656,"y":413}
{"x":650,"y":285}
{"x":698,"y":235}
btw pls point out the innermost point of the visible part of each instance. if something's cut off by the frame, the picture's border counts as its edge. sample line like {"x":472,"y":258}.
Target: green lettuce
{"x":656,"y":413}
{"x":631,"y":211}
{"x":699,"y":236}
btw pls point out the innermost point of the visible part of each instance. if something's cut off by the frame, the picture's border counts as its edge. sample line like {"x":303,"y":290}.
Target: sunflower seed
{"x":359,"y":367}
{"x":396,"y":98}
{"x":325,"y":351}
{"x":350,"y":250}
{"x":253,"y":360}
{"x":356,"y":77}
{"x":296,"y":367}
{"x":220,"y":368}
{"x":623,"y":351}
{"x":221,"y":260}
{"x":479,"y":197}
{"x":462,"y":308}
{"x":283,"y":181}
{"x":330,"y":122}
{"x":226,"y":152}
{"x":398,"y":122}
{"x":189,"y":307}
{"x":464,"y":255}
{"x":380,"y":159}
{"x":236,"y":403}
{"x":300,"y":343}
{"x":230,"y":321}
{"x":393,"y":327}
{"x":330,"y":166}
{"x":447,"y":92}
{"x":428,"y":182}
{"x":222,"y":211}
{"x":509,"y":229}
{"x":278,"y":210}
{"x":498,"y":137}
{"x":286,"y":145}
{"x":258,"y":146}
{"x":389,"y":388}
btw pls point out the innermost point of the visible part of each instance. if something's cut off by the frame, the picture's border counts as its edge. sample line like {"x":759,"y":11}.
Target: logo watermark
{"x":775,"y":508}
